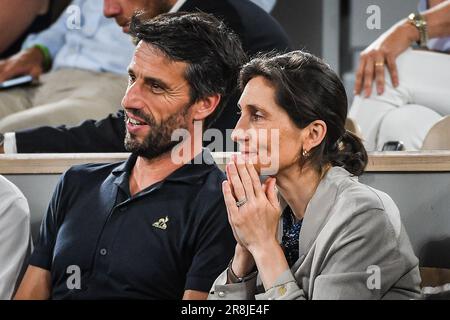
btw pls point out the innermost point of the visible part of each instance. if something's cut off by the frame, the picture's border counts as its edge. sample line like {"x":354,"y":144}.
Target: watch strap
{"x":418,"y":21}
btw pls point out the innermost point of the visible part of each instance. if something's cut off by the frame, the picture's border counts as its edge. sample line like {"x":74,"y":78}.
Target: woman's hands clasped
{"x":253,"y":208}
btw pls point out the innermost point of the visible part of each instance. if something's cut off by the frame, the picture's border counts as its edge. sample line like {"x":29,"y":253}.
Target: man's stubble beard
{"x":158,"y":141}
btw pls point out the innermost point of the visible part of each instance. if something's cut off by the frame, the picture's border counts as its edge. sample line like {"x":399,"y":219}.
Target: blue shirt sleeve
{"x":215,"y":246}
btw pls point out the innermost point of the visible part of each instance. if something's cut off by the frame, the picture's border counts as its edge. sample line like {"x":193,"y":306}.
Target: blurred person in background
{"x":84,"y":71}
{"x":15,"y":237}
{"x":16,"y":17}
{"x":404,"y":92}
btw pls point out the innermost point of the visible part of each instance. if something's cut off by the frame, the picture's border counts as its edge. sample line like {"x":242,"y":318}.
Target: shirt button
{"x":221,"y":294}
{"x":103,"y":252}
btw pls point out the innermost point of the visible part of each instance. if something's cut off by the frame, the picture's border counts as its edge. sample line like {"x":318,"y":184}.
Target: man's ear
{"x":314,"y":134}
{"x":205,"y":107}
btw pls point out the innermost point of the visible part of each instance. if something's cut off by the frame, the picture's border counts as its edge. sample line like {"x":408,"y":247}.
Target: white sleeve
{"x":14,"y":236}
{"x":9,"y":144}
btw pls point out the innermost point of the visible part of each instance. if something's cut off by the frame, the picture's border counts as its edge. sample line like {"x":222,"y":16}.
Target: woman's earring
{"x":305,"y":154}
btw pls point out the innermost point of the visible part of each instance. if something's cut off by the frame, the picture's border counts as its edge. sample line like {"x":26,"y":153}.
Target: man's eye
{"x":156,"y":88}
{"x":131,"y":79}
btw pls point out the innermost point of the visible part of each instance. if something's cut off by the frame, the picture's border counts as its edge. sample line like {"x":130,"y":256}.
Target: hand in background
{"x":26,"y":62}
{"x":382,"y":53}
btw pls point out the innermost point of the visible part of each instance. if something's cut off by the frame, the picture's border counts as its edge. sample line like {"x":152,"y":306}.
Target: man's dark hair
{"x":212,"y":51}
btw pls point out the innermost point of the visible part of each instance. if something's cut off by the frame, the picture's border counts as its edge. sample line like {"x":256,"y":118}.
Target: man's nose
{"x":110,"y":8}
{"x":132,"y":98}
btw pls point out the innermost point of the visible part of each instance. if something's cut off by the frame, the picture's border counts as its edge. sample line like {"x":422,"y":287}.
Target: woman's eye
{"x":257,"y":116}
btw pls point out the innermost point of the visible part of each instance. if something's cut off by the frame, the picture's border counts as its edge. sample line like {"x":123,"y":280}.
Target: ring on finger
{"x":240,"y":203}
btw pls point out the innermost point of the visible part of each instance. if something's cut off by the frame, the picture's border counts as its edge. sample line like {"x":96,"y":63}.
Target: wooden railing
{"x":434,"y":161}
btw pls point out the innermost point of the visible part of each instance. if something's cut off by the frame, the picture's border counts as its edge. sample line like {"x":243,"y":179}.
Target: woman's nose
{"x":240,"y":133}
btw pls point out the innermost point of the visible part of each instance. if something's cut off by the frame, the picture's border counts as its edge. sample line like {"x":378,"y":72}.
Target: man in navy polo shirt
{"x":151,"y":227}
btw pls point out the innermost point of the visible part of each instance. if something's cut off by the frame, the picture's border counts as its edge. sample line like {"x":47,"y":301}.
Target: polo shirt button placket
{"x":103,"y":252}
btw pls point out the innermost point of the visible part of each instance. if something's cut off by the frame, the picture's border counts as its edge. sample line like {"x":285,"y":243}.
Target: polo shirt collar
{"x":189,"y":173}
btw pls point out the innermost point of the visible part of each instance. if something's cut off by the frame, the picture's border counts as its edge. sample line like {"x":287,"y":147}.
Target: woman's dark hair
{"x":212,"y":51}
{"x":308,"y":90}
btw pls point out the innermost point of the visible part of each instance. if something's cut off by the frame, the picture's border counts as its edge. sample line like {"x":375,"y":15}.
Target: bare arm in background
{"x":16,"y":16}
{"x":35,"y":285}
{"x":393,"y":42}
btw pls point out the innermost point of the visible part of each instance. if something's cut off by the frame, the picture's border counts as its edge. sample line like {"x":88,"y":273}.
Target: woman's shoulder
{"x":348,"y":188}
{"x":355,"y":198}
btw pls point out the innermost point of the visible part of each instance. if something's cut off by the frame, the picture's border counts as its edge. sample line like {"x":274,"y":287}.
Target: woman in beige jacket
{"x":331,"y":237}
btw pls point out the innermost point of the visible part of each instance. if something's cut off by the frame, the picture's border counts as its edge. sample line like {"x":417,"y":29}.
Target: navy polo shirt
{"x":99,"y":242}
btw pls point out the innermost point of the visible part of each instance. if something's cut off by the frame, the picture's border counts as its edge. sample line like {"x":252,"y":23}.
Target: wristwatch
{"x":418,"y":21}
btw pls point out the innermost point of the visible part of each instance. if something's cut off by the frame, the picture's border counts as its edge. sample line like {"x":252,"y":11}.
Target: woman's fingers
{"x":244,"y":177}
{"x":360,"y":76}
{"x":231,"y":208}
{"x":227,"y":171}
{"x":368,"y":76}
{"x":256,"y":182}
{"x":271,"y":192}
{"x":379,"y":73}
{"x":392,"y":67}
{"x":235,"y":181}
{"x":230,"y":202}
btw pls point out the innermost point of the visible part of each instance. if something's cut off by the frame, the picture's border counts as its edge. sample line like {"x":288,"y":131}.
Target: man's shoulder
{"x":213,"y":179}
{"x":208,"y":190}
{"x":90,"y":171}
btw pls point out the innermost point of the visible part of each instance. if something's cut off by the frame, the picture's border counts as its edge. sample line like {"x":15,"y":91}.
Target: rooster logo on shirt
{"x":161,"y":223}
